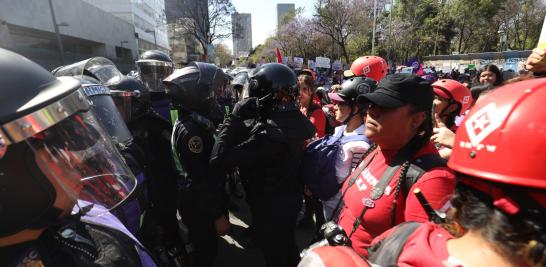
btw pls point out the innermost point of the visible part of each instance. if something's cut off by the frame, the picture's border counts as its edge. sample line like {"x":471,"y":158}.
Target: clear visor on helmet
{"x":124,"y":102}
{"x":153,"y":72}
{"x":113,"y":122}
{"x":98,"y":67}
{"x":78,"y":158}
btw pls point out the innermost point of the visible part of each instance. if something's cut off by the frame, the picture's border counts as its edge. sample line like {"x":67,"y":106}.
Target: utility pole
{"x":56,"y":27}
{"x":374,"y":22}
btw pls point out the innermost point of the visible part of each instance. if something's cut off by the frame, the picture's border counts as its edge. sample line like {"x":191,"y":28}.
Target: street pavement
{"x":233,"y":250}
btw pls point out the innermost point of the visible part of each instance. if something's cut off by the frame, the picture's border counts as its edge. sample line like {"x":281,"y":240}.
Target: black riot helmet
{"x":132,"y":98}
{"x":99,"y":68}
{"x":154,"y":66}
{"x":272,"y":82}
{"x":192,"y":88}
{"x":106,"y":111}
{"x":352,"y":88}
{"x":52,"y":147}
{"x":93,"y":74}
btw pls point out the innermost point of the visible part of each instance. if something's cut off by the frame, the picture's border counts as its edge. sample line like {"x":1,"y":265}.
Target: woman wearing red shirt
{"x":499,"y":206}
{"x":310,"y":103}
{"x":399,"y":123}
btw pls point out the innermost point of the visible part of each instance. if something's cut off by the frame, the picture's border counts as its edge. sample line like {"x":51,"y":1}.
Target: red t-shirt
{"x":317,"y":118}
{"x":437,"y":185}
{"x":425,"y":247}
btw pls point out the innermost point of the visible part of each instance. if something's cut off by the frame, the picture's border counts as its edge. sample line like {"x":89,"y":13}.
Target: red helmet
{"x":333,"y":256}
{"x":368,"y":66}
{"x":451,"y":89}
{"x":503,"y":137}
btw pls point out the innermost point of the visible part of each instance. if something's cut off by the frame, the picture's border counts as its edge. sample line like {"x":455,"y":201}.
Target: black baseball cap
{"x":400,"y":89}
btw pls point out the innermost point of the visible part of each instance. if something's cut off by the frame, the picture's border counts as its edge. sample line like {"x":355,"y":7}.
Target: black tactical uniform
{"x":60,"y":158}
{"x":152,"y":145}
{"x":191,"y":91}
{"x":270,"y":158}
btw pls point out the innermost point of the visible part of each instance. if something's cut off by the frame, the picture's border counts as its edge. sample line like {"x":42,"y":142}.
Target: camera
{"x":333,"y":235}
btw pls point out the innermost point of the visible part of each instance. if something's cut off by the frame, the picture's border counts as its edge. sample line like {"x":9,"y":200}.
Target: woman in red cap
{"x":375,"y":195}
{"x":451,"y":99}
{"x":499,"y":205}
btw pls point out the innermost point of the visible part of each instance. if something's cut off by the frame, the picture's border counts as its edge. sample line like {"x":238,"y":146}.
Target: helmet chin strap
{"x":352,"y":114}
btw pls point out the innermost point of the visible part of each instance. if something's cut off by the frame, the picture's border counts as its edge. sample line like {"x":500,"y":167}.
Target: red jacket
{"x":436,"y":184}
{"x":425,"y":247}
{"x":317,"y":118}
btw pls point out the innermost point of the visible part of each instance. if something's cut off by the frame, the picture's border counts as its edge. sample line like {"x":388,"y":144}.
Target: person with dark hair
{"x":375,"y":196}
{"x":451,"y":99}
{"x":500,"y":200}
{"x":491,"y":74}
{"x":310,"y":104}
{"x":310,"y":107}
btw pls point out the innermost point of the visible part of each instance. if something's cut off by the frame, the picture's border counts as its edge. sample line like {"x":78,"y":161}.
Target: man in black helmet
{"x":191,"y":90}
{"x":154,"y":66}
{"x":270,"y":153}
{"x":61,"y":175}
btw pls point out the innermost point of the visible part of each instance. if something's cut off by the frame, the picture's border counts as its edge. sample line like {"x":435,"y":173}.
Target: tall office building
{"x":147,"y":16}
{"x":282,"y":9}
{"x":241,"y":25}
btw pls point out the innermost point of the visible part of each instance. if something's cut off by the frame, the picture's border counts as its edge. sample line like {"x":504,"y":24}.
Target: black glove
{"x":246,"y":109}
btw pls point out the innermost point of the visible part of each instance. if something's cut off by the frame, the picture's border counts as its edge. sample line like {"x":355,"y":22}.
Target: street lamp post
{"x":155,"y":40}
{"x":56,"y":27}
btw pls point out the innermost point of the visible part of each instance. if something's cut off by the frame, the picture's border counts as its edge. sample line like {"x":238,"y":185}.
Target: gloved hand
{"x":246,"y":109}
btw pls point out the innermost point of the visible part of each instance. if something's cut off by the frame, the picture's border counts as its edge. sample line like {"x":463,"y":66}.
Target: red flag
{"x":279,"y":57}
{"x":420,"y":70}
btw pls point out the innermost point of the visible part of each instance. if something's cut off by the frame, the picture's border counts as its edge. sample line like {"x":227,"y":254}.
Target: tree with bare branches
{"x":207,"y":20}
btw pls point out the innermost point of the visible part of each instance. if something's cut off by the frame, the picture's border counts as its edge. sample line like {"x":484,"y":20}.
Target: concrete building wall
{"x":89,"y":32}
{"x":241,"y":24}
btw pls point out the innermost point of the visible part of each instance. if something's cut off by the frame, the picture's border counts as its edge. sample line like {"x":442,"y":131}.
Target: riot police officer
{"x":92,"y":73}
{"x":269,"y":152}
{"x":154,"y":66}
{"x":191,"y":90}
{"x":151,"y":134}
{"x":56,"y":160}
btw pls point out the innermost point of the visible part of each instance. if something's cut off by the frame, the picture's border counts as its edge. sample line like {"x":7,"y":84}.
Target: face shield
{"x":71,"y":149}
{"x":125,"y":103}
{"x":104,"y":71}
{"x":153,"y":72}
{"x":108,"y":115}
{"x":99,"y":68}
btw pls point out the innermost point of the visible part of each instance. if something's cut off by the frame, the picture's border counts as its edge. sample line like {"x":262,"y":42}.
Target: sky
{"x":264,"y":16}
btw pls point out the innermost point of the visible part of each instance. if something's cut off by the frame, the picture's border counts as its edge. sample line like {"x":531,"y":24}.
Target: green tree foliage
{"x":411,"y":28}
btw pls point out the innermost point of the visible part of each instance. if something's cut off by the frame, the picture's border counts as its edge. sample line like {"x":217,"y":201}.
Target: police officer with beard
{"x":191,"y":90}
{"x":270,"y":153}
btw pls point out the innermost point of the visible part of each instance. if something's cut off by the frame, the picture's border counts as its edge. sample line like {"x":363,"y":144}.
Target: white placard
{"x":323,"y":62}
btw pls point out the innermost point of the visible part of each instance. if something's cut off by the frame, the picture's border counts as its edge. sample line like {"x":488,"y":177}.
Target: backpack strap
{"x":386,"y":252}
{"x":419,"y":166}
